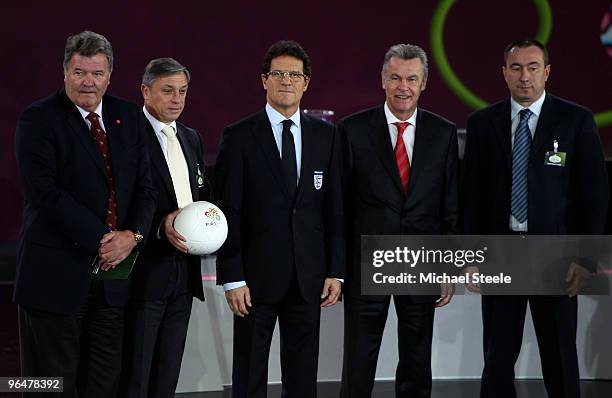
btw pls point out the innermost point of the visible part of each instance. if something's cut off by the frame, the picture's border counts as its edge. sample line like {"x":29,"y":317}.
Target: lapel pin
{"x":117,"y":121}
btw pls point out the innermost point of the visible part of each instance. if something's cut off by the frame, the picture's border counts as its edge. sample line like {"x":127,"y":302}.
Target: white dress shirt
{"x":409,"y":132}
{"x":276,"y":121}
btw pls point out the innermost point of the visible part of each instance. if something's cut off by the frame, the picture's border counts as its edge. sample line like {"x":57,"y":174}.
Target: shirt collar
{"x":276,"y":117}
{"x":391,"y":118}
{"x":97,"y":111}
{"x":536,"y":107}
{"x":156,"y":124}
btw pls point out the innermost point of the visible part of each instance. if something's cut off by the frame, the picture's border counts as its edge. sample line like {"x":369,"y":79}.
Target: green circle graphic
{"x":454,"y":83}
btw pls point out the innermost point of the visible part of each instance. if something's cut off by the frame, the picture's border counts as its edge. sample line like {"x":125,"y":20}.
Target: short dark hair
{"x":286,"y":47}
{"x":160,"y":67}
{"x":524,"y":43}
{"x":88,"y":44}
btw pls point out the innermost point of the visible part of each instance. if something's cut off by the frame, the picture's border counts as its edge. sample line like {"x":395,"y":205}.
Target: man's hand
{"x":468,"y":271}
{"x":330,"y":292}
{"x":167,"y":225}
{"x":239,"y":299}
{"x":115,"y":246}
{"x":446,"y":294}
{"x":577,"y":276}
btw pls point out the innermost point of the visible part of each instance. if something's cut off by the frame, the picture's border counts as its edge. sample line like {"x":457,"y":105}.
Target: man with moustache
{"x":401,"y":171}
{"x":88,"y":201}
{"x":166,"y":279}
{"x":278,"y":183}
{"x":510,"y":188}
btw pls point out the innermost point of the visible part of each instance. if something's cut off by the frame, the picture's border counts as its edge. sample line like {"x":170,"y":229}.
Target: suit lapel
{"x":191,"y":160}
{"x":308,"y":148}
{"x":545,"y":127}
{"x":116,"y":146}
{"x":158,"y":160}
{"x":503,"y":126}
{"x":262,"y":130}
{"x":79,"y":128}
{"x":381,"y":142}
{"x":422,"y":143}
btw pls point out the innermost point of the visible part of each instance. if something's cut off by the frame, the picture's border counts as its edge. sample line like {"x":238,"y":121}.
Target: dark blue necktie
{"x":288,"y":158}
{"x":520,"y":163}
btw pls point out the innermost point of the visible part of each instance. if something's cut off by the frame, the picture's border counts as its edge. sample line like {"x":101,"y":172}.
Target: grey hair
{"x":406,"y":51}
{"x":159,"y":67}
{"x":88,"y":44}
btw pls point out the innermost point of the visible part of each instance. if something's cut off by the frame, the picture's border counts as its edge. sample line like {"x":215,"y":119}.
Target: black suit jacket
{"x":152,"y":273}
{"x":271,"y":236}
{"x":376,"y":203}
{"x":561,"y":200}
{"x":66,"y":198}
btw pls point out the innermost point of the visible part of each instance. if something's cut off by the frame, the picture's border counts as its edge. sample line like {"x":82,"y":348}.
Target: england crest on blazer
{"x":318,"y":180}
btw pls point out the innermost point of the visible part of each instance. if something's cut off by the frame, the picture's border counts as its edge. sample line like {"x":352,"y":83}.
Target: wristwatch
{"x":138,"y":237}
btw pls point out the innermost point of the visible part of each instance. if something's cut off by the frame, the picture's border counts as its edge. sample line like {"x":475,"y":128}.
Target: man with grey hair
{"x":166,"y":278}
{"x":89,"y":199}
{"x":409,"y":186}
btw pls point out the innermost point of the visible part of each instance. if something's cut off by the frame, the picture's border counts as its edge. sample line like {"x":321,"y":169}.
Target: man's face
{"x":86,"y":80}
{"x":284,"y":94}
{"x":403,"y":82}
{"x":526,"y":74}
{"x":165,"y":99}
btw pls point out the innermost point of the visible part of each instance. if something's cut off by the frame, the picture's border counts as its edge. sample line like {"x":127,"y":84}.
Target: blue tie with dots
{"x":520,"y":162}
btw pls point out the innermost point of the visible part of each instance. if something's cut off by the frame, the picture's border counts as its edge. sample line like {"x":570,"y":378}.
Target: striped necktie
{"x":520,"y":163}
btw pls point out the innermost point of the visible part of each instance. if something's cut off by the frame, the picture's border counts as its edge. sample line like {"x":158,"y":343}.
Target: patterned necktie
{"x":100,"y":136}
{"x":520,"y":163}
{"x":288,"y":157}
{"x":401,"y":155}
{"x":178,"y":168}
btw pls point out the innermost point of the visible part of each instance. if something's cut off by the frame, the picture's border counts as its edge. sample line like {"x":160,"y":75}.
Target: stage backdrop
{"x":222,"y":43}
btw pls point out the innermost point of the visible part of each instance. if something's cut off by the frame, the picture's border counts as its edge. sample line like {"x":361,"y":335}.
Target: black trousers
{"x":154,"y":339}
{"x":364,"y":323}
{"x":554,"y":319}
{"x":299,"y":347}
{"x":84,"y":348}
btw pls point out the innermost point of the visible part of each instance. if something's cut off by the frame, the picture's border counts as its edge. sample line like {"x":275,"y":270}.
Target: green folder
{"x":121,"y":271}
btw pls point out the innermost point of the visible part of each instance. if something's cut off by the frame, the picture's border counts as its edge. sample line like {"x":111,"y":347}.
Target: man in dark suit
{"x":166,"y":278}
{"x":401,"y":170}
{"x":88,"y":196}
{"x":278,"y":183}
{"x":510,"y":188}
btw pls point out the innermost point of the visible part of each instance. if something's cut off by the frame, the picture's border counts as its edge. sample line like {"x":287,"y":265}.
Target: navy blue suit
{"x":283,"y":247}
{"x":569,"y":200}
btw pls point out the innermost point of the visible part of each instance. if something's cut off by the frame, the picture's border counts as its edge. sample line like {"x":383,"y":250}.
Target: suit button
{"x":294,"y":211}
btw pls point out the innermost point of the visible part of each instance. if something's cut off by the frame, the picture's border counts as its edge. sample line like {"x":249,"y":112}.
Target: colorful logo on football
{"x":213,"y":214}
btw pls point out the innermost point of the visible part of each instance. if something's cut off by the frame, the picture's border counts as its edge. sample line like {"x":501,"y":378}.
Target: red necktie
{"x":100,"y":137}
{"x":401,"y":155}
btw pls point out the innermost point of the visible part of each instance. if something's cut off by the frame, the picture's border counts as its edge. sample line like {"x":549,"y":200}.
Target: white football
{"x":204,"y":227}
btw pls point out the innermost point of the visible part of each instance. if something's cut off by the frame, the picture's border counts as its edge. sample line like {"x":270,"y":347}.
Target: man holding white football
{"x":166,"y":279}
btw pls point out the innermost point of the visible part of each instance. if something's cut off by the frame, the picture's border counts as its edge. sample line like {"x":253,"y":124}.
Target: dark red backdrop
{"x":223,"y":42}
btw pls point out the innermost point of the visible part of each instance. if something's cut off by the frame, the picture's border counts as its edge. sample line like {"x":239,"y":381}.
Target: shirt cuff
{"x":233,"y":285}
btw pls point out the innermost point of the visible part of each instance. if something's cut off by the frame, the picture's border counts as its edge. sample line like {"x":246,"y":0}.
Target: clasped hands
{"x":115,"y":246}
